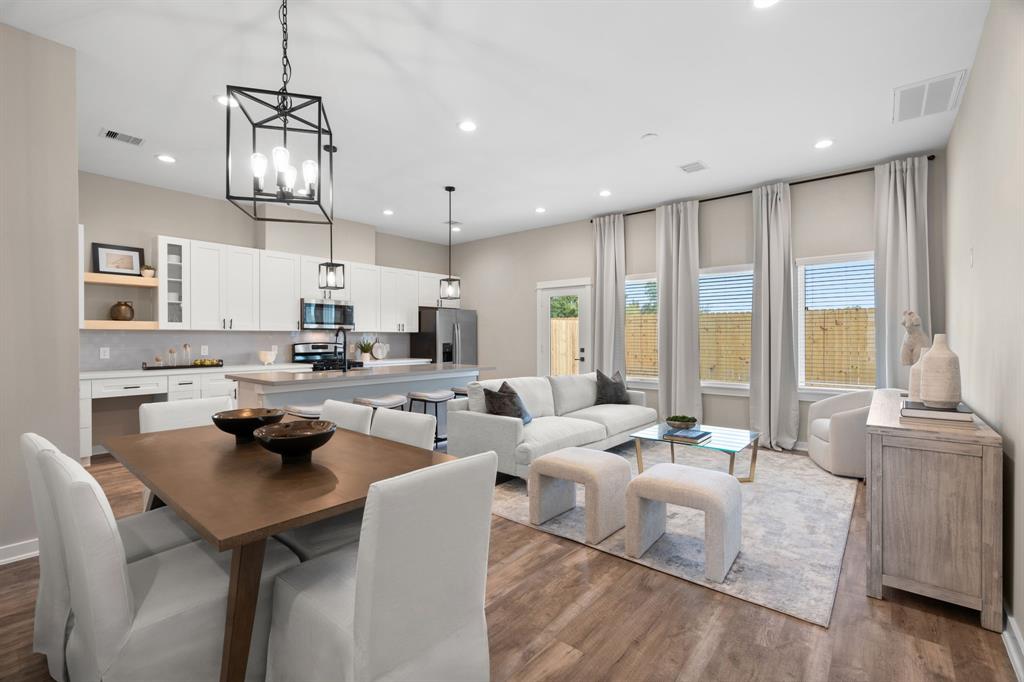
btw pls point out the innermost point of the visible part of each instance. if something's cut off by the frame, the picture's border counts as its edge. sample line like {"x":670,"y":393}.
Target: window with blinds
{"x":724,"y":321}
{"x":838,"y":319}
{"x":642,"y":328}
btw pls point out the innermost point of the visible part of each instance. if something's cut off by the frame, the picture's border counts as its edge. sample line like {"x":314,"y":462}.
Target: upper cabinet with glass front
{"x":173,"y":296}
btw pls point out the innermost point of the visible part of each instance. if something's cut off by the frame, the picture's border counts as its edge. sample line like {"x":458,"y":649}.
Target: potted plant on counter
{"x":364,"y":347}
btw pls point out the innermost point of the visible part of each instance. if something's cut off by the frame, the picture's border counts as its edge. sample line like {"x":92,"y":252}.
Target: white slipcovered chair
{"x":412,"y":428}
{"x":347,"y":415}
{"x":837,"y":433}
{"x":407,"y":601}
{"x":158,"y":618}
{"x":319,"y":538}
{"x":142,"y":535}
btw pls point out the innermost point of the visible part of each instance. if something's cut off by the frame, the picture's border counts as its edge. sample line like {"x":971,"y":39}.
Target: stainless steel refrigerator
{"x":445,"y":335}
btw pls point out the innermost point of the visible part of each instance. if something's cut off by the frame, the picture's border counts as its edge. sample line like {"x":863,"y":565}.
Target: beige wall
{"x":352,"y":241}
{"x":985,"y":232}
{"x":500,"y":275}
{"x":38,"y":264}
{"x":411,"y":254}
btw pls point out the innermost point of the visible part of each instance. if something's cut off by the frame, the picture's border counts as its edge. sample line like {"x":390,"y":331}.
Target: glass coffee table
{"x":725,"y":440}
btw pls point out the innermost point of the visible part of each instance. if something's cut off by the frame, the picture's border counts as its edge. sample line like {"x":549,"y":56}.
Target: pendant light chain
{"x":449,"y":234}
{"x":286,"y":64}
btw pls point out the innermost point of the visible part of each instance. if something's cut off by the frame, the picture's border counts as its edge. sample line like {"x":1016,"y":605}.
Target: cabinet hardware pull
{"x":231,"y":325}
{"x":125,"y":388}
{"x":184,"y":383}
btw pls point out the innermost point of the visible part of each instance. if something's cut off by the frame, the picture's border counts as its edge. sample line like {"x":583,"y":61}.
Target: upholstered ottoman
{"x":552,"y":483}
{"x":715,"y":493}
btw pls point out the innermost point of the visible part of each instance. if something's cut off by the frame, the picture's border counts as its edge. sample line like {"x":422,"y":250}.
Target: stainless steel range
{"x":325,"y":357}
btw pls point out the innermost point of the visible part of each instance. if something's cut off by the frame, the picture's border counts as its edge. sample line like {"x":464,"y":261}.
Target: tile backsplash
{"x":128,"y":350}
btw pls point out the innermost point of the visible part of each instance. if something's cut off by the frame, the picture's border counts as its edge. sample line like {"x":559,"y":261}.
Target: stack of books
{"x":687,"y":436}
{"x":915,"y":413}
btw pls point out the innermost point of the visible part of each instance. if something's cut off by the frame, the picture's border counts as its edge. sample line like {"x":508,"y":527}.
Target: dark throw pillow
{"x":505,"y":402}
{"x":611,"y":391}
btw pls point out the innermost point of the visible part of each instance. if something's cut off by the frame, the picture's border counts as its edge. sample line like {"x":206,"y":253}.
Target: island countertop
{"x":358,"y":375}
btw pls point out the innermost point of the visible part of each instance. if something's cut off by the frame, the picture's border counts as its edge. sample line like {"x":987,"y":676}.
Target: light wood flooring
{"x":557,"y":610}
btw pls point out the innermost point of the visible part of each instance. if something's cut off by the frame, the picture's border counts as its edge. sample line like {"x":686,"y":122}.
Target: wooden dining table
{"x":237,"y":496}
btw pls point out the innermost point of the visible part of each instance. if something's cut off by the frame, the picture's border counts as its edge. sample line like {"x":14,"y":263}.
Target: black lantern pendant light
{"x":331,"y":275}
{"x":288,"y":126}
{"x":451,"y":287}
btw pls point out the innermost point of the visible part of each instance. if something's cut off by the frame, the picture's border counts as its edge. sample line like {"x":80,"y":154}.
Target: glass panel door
{"x":563,"y":330}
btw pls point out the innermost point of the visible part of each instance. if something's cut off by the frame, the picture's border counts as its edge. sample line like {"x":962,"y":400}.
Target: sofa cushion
{"x":611,"y":390}
{"x":819,"y":428}
{"x":573,"y":392}
{"x":617,"y":418}
{"x":535,"y":392}
{"x":547,"y":434}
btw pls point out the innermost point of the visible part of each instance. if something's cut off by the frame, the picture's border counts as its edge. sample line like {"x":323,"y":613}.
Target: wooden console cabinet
{"x":935,"y":510}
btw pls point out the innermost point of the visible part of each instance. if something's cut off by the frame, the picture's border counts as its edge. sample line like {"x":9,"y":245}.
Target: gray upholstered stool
{"x":386,"y":402}
{"x":434,"y":398}
{"x":552,"y":486}
{"x":304,"y":411}
{"x":717,"y":494}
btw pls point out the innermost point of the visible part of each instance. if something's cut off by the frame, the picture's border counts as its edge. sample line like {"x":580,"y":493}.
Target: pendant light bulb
{"x":309,"y":172}
{"x":258,"y":162}
{"x":289,"y":178}
{"x":282,"y":158}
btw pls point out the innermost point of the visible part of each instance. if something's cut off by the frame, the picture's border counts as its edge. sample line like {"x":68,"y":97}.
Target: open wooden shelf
{"x":115,"y":325}
{"x":122,"y":280}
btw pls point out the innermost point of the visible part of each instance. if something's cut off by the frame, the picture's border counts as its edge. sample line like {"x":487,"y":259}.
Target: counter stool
{"x":387,"y":402}
{"x":434,"y":398}
{"x":304,"y":411}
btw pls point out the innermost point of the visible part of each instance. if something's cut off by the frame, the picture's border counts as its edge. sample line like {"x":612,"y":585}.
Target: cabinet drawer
{"x":182,"y":382}
{"x":142,"y":385}
{"x":187,"y":393}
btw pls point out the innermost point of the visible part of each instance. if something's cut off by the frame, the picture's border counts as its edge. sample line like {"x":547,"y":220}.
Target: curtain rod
{"x":931,"y":157}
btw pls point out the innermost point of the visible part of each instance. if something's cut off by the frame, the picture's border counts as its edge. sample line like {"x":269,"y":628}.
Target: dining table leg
{"x":243,"y":590}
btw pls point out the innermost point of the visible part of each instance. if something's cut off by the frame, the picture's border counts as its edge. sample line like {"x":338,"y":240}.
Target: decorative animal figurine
{"x":915,"y":340}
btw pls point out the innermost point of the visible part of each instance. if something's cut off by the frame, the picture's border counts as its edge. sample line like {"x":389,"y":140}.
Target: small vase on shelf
{"x":914,"y":393}
{"x":940,"y":375}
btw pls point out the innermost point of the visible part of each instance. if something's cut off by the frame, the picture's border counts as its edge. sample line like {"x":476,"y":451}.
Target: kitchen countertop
{"x":360,"y":374}
{"x":226,"y":369}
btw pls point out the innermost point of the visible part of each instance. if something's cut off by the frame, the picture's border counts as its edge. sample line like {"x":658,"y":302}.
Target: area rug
{"x":795,"y":521}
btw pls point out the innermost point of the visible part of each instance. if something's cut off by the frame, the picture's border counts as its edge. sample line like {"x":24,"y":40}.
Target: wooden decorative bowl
{"x":682,"y":425}
{"x":241,"y":423}
{"x":295,"y":441}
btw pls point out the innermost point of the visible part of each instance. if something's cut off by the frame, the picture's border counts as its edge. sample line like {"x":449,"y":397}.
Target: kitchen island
{"x":279,"y":389}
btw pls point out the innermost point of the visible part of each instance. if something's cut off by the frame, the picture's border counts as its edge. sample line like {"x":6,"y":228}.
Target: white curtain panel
{"x":774,"y":406}
{"x":901,"y":261}
{"x":610,"y":294}
{"x":678,"y":332}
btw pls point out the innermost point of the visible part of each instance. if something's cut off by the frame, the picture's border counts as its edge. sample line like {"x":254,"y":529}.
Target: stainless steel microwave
{"x":324,"y":313}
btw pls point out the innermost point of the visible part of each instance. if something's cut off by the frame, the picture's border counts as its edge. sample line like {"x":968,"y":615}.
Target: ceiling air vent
{"x":932,"y":96}
{"x":694,"y":167}
{"x":120,"y":137}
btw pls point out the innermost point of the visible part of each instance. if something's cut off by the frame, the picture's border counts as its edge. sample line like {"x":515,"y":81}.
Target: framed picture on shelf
{"x":111,"y":259}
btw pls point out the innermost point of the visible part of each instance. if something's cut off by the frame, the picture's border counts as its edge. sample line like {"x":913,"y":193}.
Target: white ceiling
{"x":561,"y":91}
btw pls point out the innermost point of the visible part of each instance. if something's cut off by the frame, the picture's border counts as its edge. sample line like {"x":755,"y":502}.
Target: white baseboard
{"x":18,"y":551}
{"x":1013,"y":642}
{"x":801,"y":445}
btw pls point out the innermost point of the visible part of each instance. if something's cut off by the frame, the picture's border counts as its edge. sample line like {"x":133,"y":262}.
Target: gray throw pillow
{"x":505,"y":402}
{"x":611,"y":391}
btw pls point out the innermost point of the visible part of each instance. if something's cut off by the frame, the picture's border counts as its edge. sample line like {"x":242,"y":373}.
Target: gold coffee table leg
{"x":753,"y":464}
{"x":732,"y":463}
{"x":639,"y":456}
{"x":672,"y":447}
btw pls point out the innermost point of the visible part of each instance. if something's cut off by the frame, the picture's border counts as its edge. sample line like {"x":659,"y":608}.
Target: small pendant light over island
{"x":451,"y":287}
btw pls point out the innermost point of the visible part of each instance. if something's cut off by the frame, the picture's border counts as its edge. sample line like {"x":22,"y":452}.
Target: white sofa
{"x":564,"y":415}
{"x":837,"y":433}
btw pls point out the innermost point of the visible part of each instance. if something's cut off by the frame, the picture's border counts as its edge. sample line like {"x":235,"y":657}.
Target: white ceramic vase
{"x":914,"y":393}
{"x":940,"y":375}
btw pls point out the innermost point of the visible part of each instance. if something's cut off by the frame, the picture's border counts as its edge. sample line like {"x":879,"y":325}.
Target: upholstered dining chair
{"x":178,"y":414}
{"x":158,"y":618}
{"x":412,"y":428}
{"x":142,"y":535}
{"x":407,"y":601}
{"x":347,"y":415}
{"x":328,"y":535}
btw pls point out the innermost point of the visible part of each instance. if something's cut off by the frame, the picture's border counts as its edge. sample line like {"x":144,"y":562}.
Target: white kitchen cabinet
{"x":224,"y":286}
{"x":183,"y":387}
{"x":310,"y":266}
{"x":215,"y":385}
{"x":430,"y":291}
{"x":365,"y":297}
{"x":399,"y":300}
{"x":173,"y":257}
{"x":279,"y":290}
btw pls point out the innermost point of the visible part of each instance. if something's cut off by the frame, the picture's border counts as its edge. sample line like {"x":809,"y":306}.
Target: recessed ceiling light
{"x":764,"y":4}
{"x":540,"y":209}
{"x":467,"y":126}
{"x":388,"y":211}
{"x":823,"y":144}
{"x":166,"y":158}
{"x":605,"y":193}
{"x":224,"y":101}
{"x":648,"y":137}
{"x":456,"y":228}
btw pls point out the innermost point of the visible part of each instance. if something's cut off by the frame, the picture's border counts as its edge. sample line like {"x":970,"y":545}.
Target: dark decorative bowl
{"x":295,"y":441}
{"x":241,"y":423}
